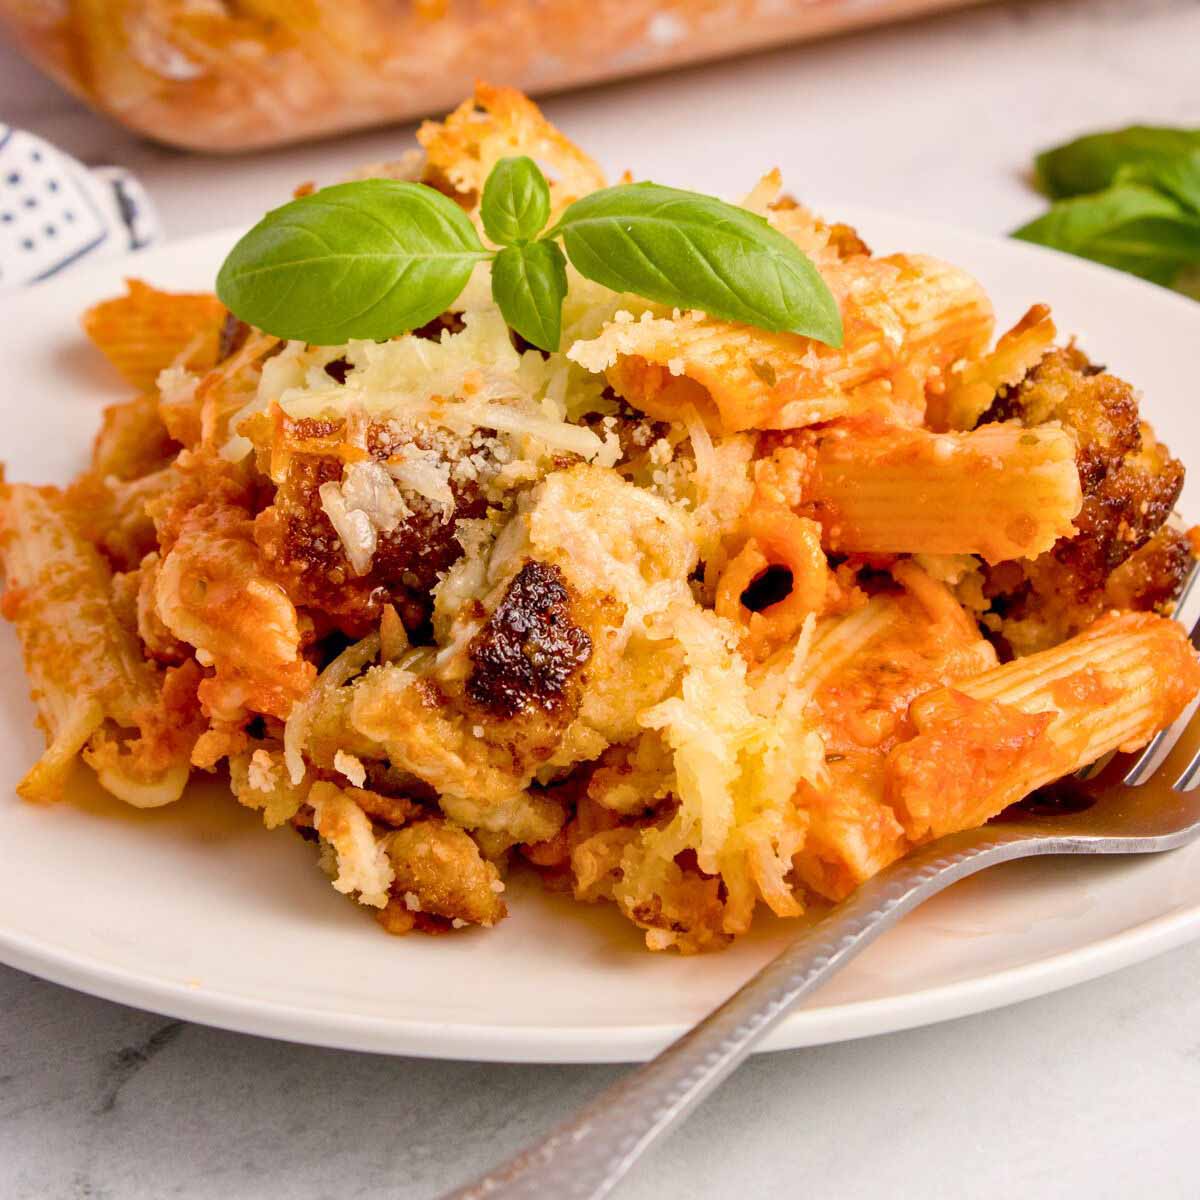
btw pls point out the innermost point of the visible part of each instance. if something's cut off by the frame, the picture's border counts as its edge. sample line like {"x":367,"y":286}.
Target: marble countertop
{"x":1089,"y":1092}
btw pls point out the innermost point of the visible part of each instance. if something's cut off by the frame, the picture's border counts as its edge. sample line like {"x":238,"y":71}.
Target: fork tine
{"x":1096,"y":768}
{"x":1187,"y":613}
{"x":1187,"y":607}
{"x":1189,"y":777}
{"x":1153,"y":756}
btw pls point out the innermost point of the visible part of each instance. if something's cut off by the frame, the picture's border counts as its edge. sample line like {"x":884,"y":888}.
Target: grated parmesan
{"x":365,"y":504}
{"x":351,"y":767}
{"x":262,"y":772}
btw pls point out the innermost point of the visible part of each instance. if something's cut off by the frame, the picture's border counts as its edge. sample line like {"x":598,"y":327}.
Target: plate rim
{"x":814,"y":1025}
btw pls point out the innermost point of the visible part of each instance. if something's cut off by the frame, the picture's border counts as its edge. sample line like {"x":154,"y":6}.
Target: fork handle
{"x":585,"y":1158}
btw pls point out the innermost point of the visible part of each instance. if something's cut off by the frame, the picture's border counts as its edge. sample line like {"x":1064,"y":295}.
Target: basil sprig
{"x":1090,"y":163}
{"x":376,"y":258}
{"x":529,"y":283}
{"x":1128,"y":226}
{"x":516,"y":201}
{"x":357,"y":260}
{"x":1129,"y":199}
{"x":693,"y":251}
{"x":1177,"y":177}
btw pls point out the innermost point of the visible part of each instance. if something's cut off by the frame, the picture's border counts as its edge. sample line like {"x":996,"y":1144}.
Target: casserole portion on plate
{"x":690,"y":617}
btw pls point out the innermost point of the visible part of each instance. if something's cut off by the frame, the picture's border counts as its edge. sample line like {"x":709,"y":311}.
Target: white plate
{"x":197,"y":911}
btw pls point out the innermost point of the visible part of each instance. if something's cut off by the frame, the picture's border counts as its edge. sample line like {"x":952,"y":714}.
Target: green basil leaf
{"x":1188,"y":282}
{"x":516,"y":201}
{"x":1178,"y":177}
{"x":1090,"y":163}
{"x":529,"y":283}
{"x":1129,"y":226}
{"x":693,"y":251}
{"x":368,"y":259}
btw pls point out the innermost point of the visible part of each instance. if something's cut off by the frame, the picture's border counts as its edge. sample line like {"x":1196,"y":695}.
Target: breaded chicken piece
{"x":1151,"y":577}
{"x":417,"y":873}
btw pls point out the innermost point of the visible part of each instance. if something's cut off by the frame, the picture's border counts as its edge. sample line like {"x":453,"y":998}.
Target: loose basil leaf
{"x":694,"y":251}
{"x":1178,"y":177}
{"x":1090,"y":163}
{"x":516,"y":201}
{"x":1129,"y":226}
{"x":529,"y":283}
{"x":1188,"y":281}
{"x":368,"y":259}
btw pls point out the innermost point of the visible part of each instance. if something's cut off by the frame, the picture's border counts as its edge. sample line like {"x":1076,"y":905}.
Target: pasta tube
{"x":146,"y":330}
{"x":1001,"y":491}
{"x":906,"y":319}
{"x":89,"y":678}
{"x":774,"y":538}
{"x":974,"y":385}
{"x":986,"y":742}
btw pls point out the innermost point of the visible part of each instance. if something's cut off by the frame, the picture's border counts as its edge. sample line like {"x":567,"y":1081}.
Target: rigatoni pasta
{"x":90,"y":678}
{"x":907,"y":318}
{"x":1001,"y":491}
{"x":687,"y":618}
{"x":142,"y":333}
{"x":973,"y":383}
{"x":987,"y":741}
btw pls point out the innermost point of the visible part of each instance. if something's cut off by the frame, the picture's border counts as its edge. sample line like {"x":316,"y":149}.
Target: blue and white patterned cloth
{"x":55,"y":212}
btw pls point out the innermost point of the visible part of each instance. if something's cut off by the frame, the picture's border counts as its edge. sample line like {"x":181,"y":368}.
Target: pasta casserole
{"x":688,"y":617}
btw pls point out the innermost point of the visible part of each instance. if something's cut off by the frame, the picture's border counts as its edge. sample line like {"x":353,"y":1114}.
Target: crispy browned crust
{"x":395,"y":918}
{"x":307,"y":557}
{"x":529,"y":669}
{"x":529,"y":654}
{"x":843,"y":238}
{"x":688,"y":905}
{"x":440,"y":873}
{"x":1130,"y":486}
{"x":393,"y":811}
{"x":1152,"y":576}
{"x":232,"y":337}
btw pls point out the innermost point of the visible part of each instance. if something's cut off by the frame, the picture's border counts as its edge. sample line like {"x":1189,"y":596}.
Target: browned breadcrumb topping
{"x":1130,"y":486}
{"x":843,"y":238}
{"x":393,"y":811}
{"x":524,"y":658}
{"x":306,"y":555}
{"x":440,"y":872}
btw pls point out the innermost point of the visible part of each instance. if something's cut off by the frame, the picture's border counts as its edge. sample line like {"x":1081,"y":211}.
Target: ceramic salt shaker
{"x":55,"y":212}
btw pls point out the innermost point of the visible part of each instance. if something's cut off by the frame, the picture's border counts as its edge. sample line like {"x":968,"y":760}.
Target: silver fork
{"x":1140,"y":805}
